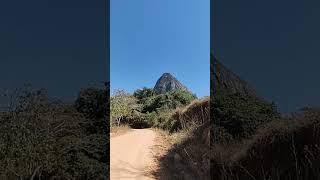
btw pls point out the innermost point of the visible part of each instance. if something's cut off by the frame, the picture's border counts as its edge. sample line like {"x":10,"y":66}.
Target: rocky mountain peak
{"x":223,"y":78}
{"x":167,"y":82}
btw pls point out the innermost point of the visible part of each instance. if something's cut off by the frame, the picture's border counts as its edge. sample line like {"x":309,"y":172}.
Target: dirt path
{"x":130,"y":155}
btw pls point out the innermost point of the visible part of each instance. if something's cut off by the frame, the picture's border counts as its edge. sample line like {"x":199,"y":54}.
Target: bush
{"x":143,"y":94}
{"x":145,"y":108}
{"x":240,"y":114}
{"x":46,"y":139}
{"x":183,"y":97}
{"x":220,"y":135}
{"x":122,"y":105}
{"x":93,"y":103}
{"x":169,"y":100}
{"x":140,"y":120}
{"x":163,"y":119}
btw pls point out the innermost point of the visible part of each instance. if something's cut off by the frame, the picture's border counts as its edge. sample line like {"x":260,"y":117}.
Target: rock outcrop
{"x":224,"y":79}
{"x":167,"y":83}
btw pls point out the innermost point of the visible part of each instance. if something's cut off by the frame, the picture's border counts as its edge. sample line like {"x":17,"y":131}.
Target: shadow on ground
{"x":189,"y":159}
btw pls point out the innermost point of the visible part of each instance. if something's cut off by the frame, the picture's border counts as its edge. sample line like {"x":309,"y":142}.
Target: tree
{"x":122,"y":105}
{"x":241,"y":114}
{"x":183,"y":97}
{"x":93,"y":103}
{"x":169,"y":100}
{"x":143,"y":94}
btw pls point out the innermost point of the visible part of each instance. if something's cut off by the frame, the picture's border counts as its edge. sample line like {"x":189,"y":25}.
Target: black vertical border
{"x":107,"y":84}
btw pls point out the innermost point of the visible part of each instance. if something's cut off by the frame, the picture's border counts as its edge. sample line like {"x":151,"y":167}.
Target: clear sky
{"x":272,"y":44}
{"x":150,"y":37}
{"x":55,"y":44}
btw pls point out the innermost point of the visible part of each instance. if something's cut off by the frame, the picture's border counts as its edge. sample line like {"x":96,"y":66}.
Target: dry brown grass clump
{"x":194,"y":114}
{"x":188,"y":156}
{"x":283,"y":149}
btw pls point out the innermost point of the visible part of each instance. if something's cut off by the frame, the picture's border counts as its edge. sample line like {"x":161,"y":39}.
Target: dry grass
{"x":284,"y":149}
{"x":194,"y":114}
{"x":163,"y":143}
{"x":164,"y":168}
{"x":185,"y":154}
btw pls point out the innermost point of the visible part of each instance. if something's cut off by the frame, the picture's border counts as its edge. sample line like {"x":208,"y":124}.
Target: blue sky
{"x":148,"y":38}
{"x":274,"y":45}
{"x":57,"y":45}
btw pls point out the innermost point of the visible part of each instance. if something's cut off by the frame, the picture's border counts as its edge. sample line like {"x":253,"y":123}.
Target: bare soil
{"x":131,"y":155}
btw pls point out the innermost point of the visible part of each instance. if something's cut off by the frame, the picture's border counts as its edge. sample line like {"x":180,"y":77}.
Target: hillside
{"x":250,"y":139}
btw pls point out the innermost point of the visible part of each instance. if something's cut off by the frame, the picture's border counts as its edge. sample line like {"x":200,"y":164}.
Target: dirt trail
{"x":130,"y":155}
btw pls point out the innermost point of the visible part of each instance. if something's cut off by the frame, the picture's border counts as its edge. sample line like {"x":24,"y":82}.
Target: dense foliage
{"x":45,"y":138}
{"x":122,"y":105}
{"x":169,"y":100}
{"x":145,"y":108}
{"x":241,"y":114}
{"x":143,"y":94}
{"x":93,"y":103}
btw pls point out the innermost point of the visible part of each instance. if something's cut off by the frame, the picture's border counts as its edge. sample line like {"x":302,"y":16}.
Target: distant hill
{"x":168,"y":82}
{"x":224,"y":79}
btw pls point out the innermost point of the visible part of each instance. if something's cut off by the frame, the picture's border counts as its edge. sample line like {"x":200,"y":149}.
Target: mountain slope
{"x":224,"y":79}
{"x":168,"y":82}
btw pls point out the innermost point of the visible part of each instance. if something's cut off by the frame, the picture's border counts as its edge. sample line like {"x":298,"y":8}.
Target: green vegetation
{"x":122,"y":105}
{"x":240,"y":114}
{"x":224,"y":144}
{"x":251,"y":140}
{"x":174,"y":112}
{"x":143,"y":94}
{"x":234,"y":118}
{"x":145,"y":108}
{"x":41,"y":138}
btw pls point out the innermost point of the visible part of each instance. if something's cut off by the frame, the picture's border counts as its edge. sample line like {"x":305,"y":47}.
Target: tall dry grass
{"x":192,"y":115}
{"x":283,"y":149}
{"x":188,"y":156}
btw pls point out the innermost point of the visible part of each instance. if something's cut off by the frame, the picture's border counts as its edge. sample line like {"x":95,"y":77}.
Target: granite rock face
{"x":167,"y":83}
{"x":224,"y":79}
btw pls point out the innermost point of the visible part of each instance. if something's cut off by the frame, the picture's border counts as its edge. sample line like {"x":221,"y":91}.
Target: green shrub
{"x":163,"y":118}
{"x":145,"y":108}
{"x":93,"y":103}
{"x":183,"y":97}
{"x":240,"y":114}
{"x":139,"y":120}
{"x":122,"y":105}
{"x":220,"y":135}
{"x":169,"y":100}
{"x":143,"y":94}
